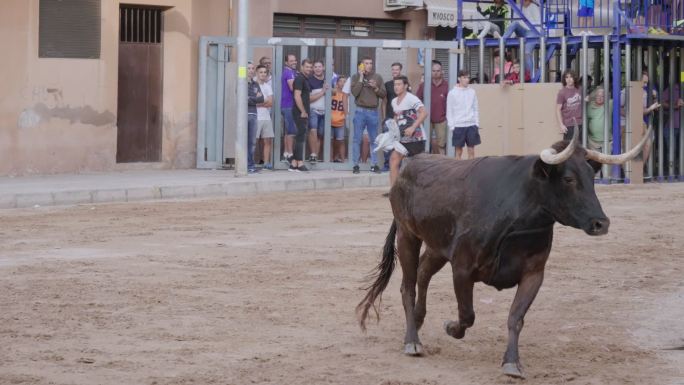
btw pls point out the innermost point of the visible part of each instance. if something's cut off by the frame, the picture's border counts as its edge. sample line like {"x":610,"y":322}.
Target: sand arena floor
{"x":262,"y":290}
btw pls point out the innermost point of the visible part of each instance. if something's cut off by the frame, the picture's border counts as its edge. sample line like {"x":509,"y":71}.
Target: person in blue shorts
{"x":584,"y":13}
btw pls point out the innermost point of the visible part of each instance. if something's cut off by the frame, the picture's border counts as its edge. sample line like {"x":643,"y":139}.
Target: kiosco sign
{"x":445,"y":18}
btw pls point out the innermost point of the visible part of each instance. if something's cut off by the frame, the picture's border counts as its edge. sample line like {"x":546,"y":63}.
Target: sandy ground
{"x":262,"y":291}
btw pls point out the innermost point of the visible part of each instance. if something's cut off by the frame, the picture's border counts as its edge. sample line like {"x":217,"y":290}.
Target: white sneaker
{"x":589,"y":33}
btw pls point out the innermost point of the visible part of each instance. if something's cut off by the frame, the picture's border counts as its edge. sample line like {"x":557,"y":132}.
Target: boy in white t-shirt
{"x":409,"y":113}
{"x":264,"y":123}
{"x":463,"y":116}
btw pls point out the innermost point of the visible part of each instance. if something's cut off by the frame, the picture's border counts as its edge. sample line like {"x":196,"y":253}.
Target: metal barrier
{"x":216,"y":90}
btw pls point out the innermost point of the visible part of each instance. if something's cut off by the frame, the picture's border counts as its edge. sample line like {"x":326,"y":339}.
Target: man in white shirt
{"x":532,"y":13}
{"x":463,"y":116}
{"x":409,"y":114}
{"x":264,"y":124}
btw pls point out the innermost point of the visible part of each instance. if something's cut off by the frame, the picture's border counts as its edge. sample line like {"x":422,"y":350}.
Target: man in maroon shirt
{"x":438,"y":98}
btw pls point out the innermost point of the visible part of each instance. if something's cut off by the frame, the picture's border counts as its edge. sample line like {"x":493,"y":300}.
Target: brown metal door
{"x":139,"y":112}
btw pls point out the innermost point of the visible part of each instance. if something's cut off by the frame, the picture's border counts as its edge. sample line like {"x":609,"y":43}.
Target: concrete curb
{"x":232,"y":188}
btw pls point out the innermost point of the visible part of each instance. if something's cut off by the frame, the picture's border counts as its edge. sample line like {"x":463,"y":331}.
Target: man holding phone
{"x":367,"y":88}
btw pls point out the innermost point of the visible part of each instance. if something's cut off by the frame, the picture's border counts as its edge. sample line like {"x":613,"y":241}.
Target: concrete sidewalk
{"x":127,"y":186}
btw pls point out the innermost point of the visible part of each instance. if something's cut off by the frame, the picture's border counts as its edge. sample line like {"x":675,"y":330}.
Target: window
{"x":69,"y":29}
{"x":140,"y":25}
{"x":317,"y":26}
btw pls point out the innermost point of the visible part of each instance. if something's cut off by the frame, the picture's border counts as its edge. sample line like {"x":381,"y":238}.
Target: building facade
{"x":100,"y":85}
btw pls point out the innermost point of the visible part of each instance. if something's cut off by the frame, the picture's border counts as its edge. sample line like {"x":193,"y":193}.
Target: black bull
{"x":493,"y":219}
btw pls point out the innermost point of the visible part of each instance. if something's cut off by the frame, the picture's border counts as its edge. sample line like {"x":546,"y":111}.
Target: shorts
{"x":410,"y":148}
{"x":469,"y":136}
{"x":438,"y":131}
{"x":571,"y":130}
{"x":338,"y":133}
{"x":585,"y":12}
{"x":288,"y":121}
{"x":317,"y":122}
{"x":265,"y":129}
{"x":598,"y":146}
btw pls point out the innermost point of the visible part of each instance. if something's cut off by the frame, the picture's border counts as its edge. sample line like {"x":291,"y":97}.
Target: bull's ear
{"x":541,"y":170}
{"x":595,"y":165}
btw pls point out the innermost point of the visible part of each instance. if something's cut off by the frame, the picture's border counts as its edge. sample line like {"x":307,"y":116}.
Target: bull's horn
{"x":622,"y":158}
{"x":550,"y":156}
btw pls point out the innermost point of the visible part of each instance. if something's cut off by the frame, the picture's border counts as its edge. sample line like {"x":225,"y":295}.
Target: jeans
{"x":521,"y":31}
{"x":364,"y":118}
{"x":251,"y":139}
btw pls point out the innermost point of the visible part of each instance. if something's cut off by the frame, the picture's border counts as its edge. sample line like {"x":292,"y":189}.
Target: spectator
{"x":338,"y":107}
{"x":497,"y":63}
{"x":317,"y":112}
{"x":463,"y":116}
{"x":496,"y":24}
{"x":409,"y":114}
{"x":532,"y":13}
{"x":367,"y":88}
{"x":254,"y":97}
{"x":264,"y":124}
{"x":388,"y":113}
{"x":569,"y":105}
{"x":595,"y":120}
{"x":439,"y":89}
{"x":513,"y":76}
{"x":300,"y":114}
{"x":647,"y":110}
{"x":584,"y":13}
{"x":286,"y":104}
{"x":365,"y":143}
{"x":266,"y":62}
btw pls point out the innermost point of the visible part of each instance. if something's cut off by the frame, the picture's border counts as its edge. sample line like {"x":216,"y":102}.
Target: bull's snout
{"x":598,"y":226}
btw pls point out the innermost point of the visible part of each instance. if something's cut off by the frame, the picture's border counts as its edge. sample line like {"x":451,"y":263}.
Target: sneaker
{"x":313,"y":158}
{"x":302,"y":168}
{"x":385,"y":168}
{"x":356,"y":170}
{"x":293,"y":169}
{"x":268,"y":166}
{"x":252,"y":170}
{"x":338,"y":161}
{"x":375,"y":169}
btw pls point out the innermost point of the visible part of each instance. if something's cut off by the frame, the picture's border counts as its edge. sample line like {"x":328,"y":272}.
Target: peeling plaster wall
{"x":59,"y":115}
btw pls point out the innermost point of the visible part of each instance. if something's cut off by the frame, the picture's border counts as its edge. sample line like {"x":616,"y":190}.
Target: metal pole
{"x":502,"y":59}
{"x":617,"y":78}
{"x":661,"y":112}
{"x":277,"y":65}
{"x":542,"y":59}
{"x":461,"y":55}
{"x":681,"y":118}
{"x":673,"y":101}
{"x":585,"y":64}
{"x":521,"y":54}
{"x":241,"y":134}
{"x":327,"y":153}
{"x":605,"y":170}
{"x":564,"y":55}
{"x":351,"y":106}
{"x":201,"y":103}
{"x":616,"y":105}
{"x":650,"y":59}
{"x":427,"y":93}
{"x":481,"y":61}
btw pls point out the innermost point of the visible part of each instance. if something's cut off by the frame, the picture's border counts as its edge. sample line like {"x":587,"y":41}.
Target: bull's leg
{"x":430,"y":263}
{"x":463,"y":287}
{"x":408,"y":247}
{"x":527,"y":291}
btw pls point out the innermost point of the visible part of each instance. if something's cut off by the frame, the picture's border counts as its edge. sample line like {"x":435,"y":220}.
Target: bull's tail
{"x":380,"y":279}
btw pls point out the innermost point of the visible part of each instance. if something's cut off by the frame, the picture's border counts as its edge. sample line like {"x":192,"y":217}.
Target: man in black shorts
{"x":409,"y":114}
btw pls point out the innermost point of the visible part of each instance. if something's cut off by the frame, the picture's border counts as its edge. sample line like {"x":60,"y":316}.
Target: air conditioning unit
{"x":392,"y":5}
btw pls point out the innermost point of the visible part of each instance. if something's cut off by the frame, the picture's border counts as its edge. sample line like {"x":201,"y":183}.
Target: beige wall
{"x":59,"y":115}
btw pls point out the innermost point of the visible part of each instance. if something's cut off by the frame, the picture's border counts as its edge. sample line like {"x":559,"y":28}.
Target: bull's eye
{"x":569,"y":180}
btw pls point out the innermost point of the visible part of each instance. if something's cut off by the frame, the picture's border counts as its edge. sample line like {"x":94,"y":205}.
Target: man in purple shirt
{"x":286,"y":104}
{"x":438,"y":97}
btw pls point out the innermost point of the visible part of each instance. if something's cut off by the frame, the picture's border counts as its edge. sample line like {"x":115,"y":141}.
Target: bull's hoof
{"x":454,"y":329}
{"x":514,"y":370}
{"x":413,"y":349}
